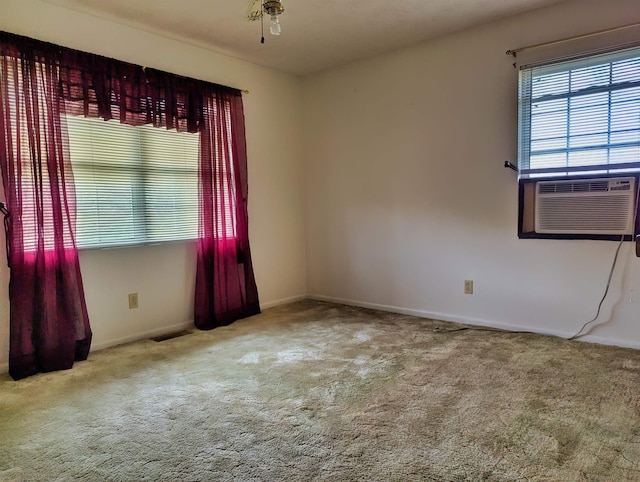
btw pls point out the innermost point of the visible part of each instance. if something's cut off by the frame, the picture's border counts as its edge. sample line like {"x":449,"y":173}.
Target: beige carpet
{"x":315,"y":391}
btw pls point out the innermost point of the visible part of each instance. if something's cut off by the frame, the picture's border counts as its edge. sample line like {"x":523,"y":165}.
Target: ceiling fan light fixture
{"x":258,"y":9}
{"x":274,"y":8}
{"x":274,"y":28}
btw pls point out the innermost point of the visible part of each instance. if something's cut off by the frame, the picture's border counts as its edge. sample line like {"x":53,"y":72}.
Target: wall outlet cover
{"x":468,"y":287}
{"x":133,"y":300}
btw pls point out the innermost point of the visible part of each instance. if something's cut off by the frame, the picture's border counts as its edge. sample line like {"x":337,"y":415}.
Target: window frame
{"x":528,"y":178}
{"x":589,"y":63}
{"x":526,"y":212}
{"x":139,"y":174}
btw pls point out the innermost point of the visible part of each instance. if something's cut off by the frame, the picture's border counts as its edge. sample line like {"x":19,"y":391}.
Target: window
{"x":580,"y":117}
{"x":134,"y":185}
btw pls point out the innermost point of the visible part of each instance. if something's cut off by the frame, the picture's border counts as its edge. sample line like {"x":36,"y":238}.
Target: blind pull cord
{"x":6,"y":213}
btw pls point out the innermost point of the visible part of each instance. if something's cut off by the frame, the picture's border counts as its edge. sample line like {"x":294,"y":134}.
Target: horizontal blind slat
{"x":134,"y":185}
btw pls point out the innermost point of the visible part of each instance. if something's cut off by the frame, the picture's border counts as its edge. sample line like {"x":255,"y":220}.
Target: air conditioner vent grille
{"x":560,"y":187}
{"x":562,"y":213}
{"x":589,"y":206}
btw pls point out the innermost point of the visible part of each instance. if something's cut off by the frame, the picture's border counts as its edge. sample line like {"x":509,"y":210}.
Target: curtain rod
{"x":515,"y":52}
{"x":244,"y":91}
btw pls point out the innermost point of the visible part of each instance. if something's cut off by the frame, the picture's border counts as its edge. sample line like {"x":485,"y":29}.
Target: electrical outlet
{"x":468,"y":287}
{"x":133,"y":300}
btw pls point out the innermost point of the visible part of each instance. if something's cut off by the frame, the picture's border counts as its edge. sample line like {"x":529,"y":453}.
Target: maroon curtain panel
{"x":49,"y":324}
{"x":225,"y":285}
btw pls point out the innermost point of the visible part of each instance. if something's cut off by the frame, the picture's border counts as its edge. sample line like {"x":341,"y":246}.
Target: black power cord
{"x":577,"y":335}
{"x":439,"y":329}
{"x":604,"y":295}
{"x":613,"y":265}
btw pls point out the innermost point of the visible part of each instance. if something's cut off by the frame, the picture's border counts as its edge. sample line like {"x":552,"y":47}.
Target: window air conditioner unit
{"x":585,"y":206}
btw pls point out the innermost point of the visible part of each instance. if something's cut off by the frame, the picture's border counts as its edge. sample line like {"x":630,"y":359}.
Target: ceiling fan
{"x":257,"y":10}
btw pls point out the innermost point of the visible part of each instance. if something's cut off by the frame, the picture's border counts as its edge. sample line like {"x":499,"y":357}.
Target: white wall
{"x":164,"y":275}
{"x":407,"y":196}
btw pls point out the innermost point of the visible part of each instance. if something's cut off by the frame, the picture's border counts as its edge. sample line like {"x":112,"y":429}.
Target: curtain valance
{"x":97,"y":86}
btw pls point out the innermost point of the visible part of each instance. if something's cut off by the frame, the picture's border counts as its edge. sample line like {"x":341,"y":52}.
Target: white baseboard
{"x":4,"y":367}
{"x":179,"y":326}
{"x":142,"y":335}
{"x":601,"y":340}
{"x":283,"y":301}
{"x":476,"y":321}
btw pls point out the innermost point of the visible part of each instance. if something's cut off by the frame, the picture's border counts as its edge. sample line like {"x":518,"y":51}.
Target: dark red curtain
{"x":97,"y":86}
{"x":40,"y":83}
{"x":225,"y":285}
{"x":49,"y":324}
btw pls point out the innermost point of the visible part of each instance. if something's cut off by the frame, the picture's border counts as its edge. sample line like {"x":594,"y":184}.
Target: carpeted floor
{"x":315,"y":391}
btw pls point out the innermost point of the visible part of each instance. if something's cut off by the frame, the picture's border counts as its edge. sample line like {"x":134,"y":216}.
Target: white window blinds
{"x":580,"y":116}
{"x":134,"y":185}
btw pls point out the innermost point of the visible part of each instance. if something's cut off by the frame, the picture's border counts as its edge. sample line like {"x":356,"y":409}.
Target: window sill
{"x":137,"y":245}
{"x":591,"y":237}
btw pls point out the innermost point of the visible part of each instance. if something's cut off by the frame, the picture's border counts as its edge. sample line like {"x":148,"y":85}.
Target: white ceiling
{"x":316,"y":34}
